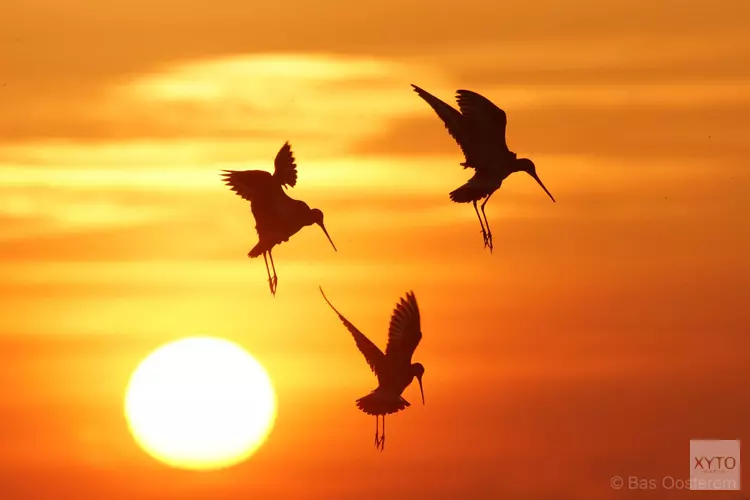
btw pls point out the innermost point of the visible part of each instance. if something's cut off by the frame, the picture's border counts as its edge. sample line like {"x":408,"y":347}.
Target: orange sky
{"x":604,"y":333}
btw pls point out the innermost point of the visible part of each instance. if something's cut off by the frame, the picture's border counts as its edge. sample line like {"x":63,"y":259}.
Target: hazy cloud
{"x":262,"y":97}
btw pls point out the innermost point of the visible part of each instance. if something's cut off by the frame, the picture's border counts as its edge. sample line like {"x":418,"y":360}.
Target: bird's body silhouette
{"x":478,"y":126}
{"x":394,"y":368}
{"x":277,"y":216}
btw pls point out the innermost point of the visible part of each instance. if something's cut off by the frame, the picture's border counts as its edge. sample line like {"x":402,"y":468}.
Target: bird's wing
{"x":249,"y":184}
{"x":488,"y":121}
{"x":374,"y":356}
{"x":285,"y":168}
{"x":452,"y":118}
{"x":405,"y":330}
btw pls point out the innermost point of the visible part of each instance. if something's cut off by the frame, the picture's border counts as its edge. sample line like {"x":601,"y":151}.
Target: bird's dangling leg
{"x":382,"y":436}
{"x":484,"y":233}
{"x":377,"y":434}
{"x":487,"y":224}
{"x":275,"y":277}
{"x":268,"y":272}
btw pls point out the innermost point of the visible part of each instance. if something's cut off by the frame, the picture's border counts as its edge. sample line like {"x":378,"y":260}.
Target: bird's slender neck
{"x":309,"y":221}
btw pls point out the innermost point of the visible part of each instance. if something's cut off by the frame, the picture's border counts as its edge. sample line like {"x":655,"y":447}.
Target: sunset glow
{"x":603,"y":332}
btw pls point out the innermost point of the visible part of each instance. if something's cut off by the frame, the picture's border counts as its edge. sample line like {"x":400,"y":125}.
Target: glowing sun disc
{"x":200,"y":403}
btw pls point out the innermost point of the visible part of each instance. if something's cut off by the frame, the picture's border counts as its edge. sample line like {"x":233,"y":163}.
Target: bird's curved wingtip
{"x":328,"y":301}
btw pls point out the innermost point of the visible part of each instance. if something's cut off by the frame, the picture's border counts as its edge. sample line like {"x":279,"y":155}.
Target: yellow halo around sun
{"x":200,"y":403}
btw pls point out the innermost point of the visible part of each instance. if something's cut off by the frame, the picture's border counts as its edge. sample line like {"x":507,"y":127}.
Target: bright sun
{"x":200,"y":403}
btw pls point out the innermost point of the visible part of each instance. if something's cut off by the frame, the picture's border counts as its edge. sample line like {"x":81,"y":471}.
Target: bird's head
{"x":526,"y":165}
{"x":418,"y":371}
{"x":316,"y":217}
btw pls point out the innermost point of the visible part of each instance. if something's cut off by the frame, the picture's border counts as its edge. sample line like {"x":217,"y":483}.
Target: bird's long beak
{"x":536,"y":178}
{"x":419,"y":379}
{"x":323,"y":227}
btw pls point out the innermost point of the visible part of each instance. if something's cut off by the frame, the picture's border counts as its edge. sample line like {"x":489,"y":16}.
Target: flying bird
{"x":394,"y":369}
{"x":478,"y":126}
{"x":277,"y":216}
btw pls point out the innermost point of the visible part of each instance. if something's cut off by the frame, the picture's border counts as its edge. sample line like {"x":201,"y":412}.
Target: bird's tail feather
{"x":257,"y":251}
{"x":467,"y":193}
{"x":379,"y":403}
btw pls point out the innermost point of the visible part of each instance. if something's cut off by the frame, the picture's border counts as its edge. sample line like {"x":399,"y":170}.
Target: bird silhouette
{"x":394,"y":369}
{"x":478,"y":126}
{"x":277,"y":216}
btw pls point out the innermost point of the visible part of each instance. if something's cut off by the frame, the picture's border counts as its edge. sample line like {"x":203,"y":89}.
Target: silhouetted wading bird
{"x":394,"y":369}
{"x":277,"y":216}
{"x":479,"y":130}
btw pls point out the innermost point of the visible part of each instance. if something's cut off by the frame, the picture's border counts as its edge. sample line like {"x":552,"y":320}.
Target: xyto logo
{"x":714,"y":464}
